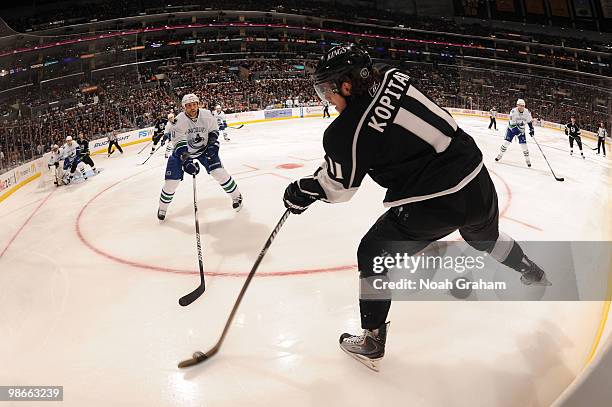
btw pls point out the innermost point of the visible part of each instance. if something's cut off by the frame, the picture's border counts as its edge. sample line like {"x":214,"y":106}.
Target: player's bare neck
{"x":194,"y":117}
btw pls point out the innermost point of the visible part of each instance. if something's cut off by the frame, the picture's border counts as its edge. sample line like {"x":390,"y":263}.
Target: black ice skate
{"x":237,"y":203}
{"x":161,"y":214}
{"x":368,"y":348}
{"x":532,"y":274}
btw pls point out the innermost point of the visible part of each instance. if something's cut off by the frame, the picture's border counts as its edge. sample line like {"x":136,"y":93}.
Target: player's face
{"x":520,"y":108}
{"x":191,"y":109}
{"x":329,"y":92}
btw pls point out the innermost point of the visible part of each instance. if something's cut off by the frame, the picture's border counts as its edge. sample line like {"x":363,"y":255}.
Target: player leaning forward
{"x":518,"y":117}
{"x":195,"y":139}
{"x":433,"y":171}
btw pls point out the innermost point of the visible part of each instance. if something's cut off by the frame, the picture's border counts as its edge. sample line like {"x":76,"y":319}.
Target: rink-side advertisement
{"x":445,"y":270}
{"x":100,"y":145}
{"x":15,"y":178}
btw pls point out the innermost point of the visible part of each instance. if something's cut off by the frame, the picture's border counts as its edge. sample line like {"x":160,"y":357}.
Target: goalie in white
{"x":54,"y":159}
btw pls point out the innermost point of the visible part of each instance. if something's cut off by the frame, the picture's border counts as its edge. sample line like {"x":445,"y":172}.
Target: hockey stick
{"x":551,"y":170}
{"x":147,"y":145}
{"x":199,"y":357}
{"x":236,"y":127}
{"x":195,"y":294}
{"x":151,"y":155}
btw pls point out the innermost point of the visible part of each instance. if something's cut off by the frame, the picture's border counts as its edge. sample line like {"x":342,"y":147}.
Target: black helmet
{"x":341,"y":63}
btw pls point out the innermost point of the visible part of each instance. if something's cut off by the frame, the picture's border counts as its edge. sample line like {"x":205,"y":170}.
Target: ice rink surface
{"x":90,"y":281}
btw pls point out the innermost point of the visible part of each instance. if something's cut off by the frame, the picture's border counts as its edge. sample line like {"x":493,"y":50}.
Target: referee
{"x":112,"y":140}
{"x":493,"y":116}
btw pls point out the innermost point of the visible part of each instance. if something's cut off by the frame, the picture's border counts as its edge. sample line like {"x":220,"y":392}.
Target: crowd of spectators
{"x":128,"y":100}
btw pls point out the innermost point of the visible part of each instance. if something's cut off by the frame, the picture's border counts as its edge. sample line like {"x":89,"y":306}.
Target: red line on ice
{"x":145,"y":266}
{"x":25,"y":223}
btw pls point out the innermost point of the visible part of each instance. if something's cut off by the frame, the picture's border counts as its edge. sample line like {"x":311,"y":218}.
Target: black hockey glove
{"x":296,"y":200}
{"x":212,"y":150}
{"x":191,"y":167}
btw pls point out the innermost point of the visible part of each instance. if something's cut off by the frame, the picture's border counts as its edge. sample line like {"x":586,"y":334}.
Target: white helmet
{"x":189,"y":98}
{"x":69,"y":138}
{"x":170,"y":116}
{"x":520,"y":102}
{"x":54,"y":147}
{"x":218,"y":107}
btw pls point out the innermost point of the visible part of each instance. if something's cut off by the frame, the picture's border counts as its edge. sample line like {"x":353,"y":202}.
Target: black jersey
{"x":572,"y":130}
{"x":84,"y":146}
{"x":402,"y":139}
{"x":159,"y":125}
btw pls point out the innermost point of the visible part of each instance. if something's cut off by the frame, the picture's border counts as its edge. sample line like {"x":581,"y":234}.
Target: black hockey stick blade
{"x":199,"y":357}
{"x":195,"y":294}
{"x":236,"y":127}
{"x":192,"y":296}
{"x":546,"y":159}
{"x":196,"y":358}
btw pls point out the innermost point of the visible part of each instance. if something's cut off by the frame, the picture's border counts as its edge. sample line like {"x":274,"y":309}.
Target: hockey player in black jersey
{"x":573,"y":132}
{"x":159,"y":127}
{"x":433,"y":171}
{"x":84,"y":151}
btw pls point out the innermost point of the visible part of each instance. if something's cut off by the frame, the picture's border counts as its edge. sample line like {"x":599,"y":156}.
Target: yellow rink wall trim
{"x":600,"y":329}
{"x":105,"y":149}
{"x":604,"y":316}
{"x":14,"y":188}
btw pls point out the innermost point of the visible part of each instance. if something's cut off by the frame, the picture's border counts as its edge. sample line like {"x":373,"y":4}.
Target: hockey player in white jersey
{"x":196,"y":136}
{"x":54,"y":160}
{"x":518,"y":118}
{"x":168,"y":132}
{"x":221,"y":121}
{"x":71,"y":154}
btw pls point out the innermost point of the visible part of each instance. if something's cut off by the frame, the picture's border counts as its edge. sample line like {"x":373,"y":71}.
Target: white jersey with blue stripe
{"x":193,"y":133}
{"x":70,"y":151}
{"x":518,"y":119}
{"x":220,"y":116}
{"x":168,"y":129}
